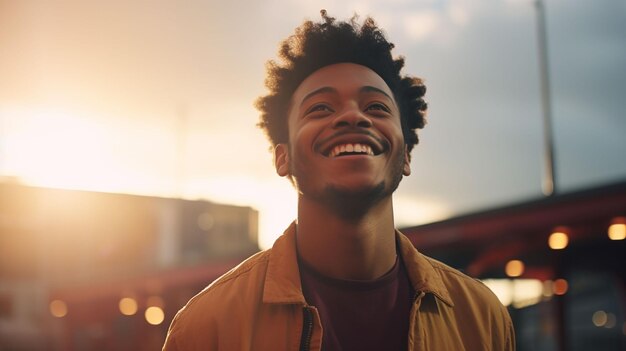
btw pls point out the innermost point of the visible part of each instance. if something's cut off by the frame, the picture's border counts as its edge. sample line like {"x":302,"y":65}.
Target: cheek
{"x":305,"y":134}
{"x":398,"y":130}
{"x":391,"y":131}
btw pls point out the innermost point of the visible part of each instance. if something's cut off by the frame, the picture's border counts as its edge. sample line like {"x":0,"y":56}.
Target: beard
{"x":346,"y":202}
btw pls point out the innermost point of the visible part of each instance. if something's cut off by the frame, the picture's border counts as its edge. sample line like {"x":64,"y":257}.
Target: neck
{"x":356,"y":248}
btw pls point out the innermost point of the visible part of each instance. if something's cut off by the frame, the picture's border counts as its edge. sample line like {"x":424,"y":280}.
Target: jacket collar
{"x":282,"y":282}
{"x":422,"y":274}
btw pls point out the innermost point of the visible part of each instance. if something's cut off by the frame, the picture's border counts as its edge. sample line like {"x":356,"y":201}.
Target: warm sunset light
{"x":71,"y":150}
{"x":58,"y":308}
{"x":154,"y":315}
{"x":136,"y":168}
{"x":76,"y":150}
{"x":128,"y":306}
{"x":514,"y":268}
{"x":558,"y":240}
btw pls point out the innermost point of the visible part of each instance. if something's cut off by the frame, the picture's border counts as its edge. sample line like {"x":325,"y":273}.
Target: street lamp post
{"x":549,"y":175}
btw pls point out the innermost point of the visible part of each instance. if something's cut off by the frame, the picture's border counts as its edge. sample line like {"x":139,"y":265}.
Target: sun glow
{"x":69,"y":150}
{"x":61,"y":149}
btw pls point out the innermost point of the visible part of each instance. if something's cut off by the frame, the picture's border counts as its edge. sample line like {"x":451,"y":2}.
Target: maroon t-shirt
{"x":361,"y":315}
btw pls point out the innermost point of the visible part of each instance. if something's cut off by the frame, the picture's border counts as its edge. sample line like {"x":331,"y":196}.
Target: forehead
{"x":346,"y":77}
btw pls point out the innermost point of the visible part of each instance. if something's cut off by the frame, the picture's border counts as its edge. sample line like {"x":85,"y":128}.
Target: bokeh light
{"x":558,"y":240}
{"x":128,"y":306}
{"x":560,"y":287}
{"x":154,"y":315}
{"x":526,"y":292}
{"x":514,"y":268}
{"x":58,"y":308}
{"x":617,"y":229}
{"x":599,"y":318}
{"x":611,"y":321}
{"x":517,"y":292}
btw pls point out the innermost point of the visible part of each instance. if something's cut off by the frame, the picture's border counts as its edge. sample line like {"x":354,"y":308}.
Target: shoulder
{"x":449,"y":284}
{"x":222,"y":299}
{"x":464,"y":289}
{"x":456,"y":280}
{"x":248,"y":274}
{"x":473,"y":300}
{"x":244,"y":273}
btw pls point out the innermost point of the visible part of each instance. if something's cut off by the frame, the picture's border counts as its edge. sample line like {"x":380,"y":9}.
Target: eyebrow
{"x":321,"y":90}
{"x":365,"y":89}
{"x":371,"y":89}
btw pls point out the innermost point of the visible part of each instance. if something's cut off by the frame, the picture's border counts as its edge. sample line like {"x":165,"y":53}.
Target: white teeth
{"x":360,"y":148}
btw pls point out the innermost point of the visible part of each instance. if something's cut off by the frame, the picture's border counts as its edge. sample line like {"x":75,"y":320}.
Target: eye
{"x":377,"y":106}
{"x":319,"y":109}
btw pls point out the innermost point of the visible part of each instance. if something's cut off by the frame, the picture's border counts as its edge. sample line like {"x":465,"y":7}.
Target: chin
{"x":353,"y":201}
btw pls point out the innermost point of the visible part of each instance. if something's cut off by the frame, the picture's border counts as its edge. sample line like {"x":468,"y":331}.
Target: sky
{"x":156,"y":98}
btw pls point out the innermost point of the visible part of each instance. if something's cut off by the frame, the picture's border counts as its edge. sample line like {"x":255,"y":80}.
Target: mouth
{"x":350,"y":145}
{"x":348,"y":149}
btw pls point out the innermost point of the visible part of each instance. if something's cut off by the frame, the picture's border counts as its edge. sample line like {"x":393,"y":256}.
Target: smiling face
{"x":345,"y":137}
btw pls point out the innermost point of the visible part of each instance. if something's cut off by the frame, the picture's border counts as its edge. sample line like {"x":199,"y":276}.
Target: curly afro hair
{"x":316,"y":45}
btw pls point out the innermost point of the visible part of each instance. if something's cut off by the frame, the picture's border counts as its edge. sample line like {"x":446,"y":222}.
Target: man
{"x":342,"y":122}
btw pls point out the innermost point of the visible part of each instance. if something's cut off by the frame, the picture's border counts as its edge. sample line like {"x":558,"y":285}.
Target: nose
{"x":352,"y":117}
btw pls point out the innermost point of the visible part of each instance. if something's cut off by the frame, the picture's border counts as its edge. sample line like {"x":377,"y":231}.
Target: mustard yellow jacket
{"x":259,"y":305}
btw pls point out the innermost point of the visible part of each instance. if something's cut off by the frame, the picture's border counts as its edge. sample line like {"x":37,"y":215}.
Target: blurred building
{"x":96,"y":271}
{"x":558,"y":263}
{"x":93,"y":271}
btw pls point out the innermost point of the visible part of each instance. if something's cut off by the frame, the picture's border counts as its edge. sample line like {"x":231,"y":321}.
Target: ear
{"x":406,"y":170}
{"x":281,"y":159}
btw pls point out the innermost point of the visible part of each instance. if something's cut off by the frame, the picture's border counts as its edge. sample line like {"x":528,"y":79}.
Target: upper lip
{"x":326,"y":145}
